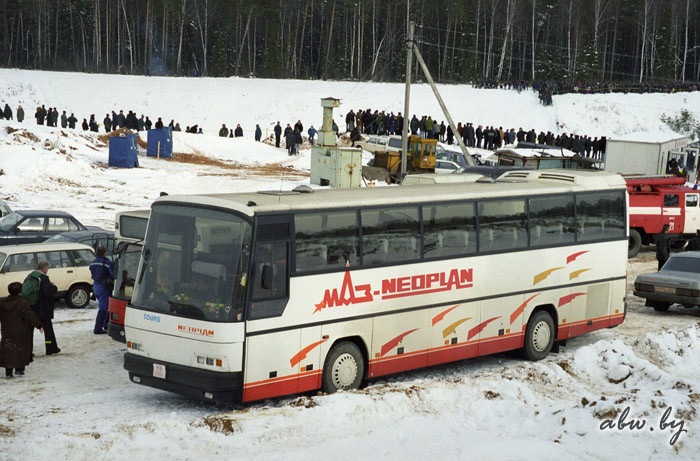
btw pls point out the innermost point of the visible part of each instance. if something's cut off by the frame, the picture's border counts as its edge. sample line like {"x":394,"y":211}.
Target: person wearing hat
{"x":694,"y":242}
{"x":45,"y":305}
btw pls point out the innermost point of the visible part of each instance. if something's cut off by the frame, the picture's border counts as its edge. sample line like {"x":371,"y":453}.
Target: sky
{"x":80,"y":405}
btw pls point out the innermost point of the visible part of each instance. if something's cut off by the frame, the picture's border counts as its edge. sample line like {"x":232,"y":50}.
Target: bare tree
{"x":646,"y":22}
{"x":510,"y":15}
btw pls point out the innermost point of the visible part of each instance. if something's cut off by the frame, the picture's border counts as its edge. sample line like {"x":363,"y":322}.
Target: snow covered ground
{"x":79,"y":405}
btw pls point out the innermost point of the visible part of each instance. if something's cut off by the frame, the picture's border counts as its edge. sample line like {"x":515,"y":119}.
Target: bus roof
{"x":513,"y":183}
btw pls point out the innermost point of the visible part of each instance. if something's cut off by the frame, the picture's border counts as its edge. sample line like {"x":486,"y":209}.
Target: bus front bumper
{"x":191,"y":382}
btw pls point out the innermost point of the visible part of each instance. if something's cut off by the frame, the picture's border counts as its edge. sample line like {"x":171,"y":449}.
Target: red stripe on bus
{"x":480,"y":327}
{"x":395,"y":341}
{"x":301,"y":355}
{"x":573,"y":256}
{"x":292,"y":384}
{"x":517,"y":312}
{"x":568,"y":298}
{"x":442,"y":314}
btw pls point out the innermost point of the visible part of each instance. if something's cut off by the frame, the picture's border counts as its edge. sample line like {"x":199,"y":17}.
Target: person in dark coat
{"x":297,"y":141}
{"x":20,"y":114}
{"x":479,"y":136}
{"x":159,"y":124}
{"x":663,"y":246}
{"x":414,"y":125}
{"x":694,"y":242}
{"x":102,"y":284}
{"x":64,"y":120}
{"x":7,"y":112}
{"x":45,"y":305}
{"x":223,"y":131}
{"x":40,"y":115}
{"x":72,"y":121}
{"x":289,"y":141}
{"x":278,"y":134}
{"x":238,"y":132}
{"x":107,"y":122}
{"x":85,"y":125}
{"x":355,"y":135}
{"x":17,"y":321}
{"x":258,"y":133}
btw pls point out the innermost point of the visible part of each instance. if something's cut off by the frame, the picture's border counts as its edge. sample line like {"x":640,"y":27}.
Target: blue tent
{"x":122,"y":151}
{"x":160,"y":143}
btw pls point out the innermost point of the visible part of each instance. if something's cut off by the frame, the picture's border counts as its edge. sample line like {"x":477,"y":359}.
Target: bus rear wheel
{"x":344,"y":368}
{"x":539,"y":336}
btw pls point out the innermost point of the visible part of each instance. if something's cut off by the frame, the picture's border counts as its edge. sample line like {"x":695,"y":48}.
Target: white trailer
{"x":646,"y":154}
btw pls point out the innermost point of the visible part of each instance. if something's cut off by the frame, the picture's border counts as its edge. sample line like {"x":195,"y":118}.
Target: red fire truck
{"x":659,"y":200}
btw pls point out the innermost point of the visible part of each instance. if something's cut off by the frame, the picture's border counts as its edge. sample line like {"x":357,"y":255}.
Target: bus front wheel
{"x":344,"y":368}
{"x":539,"y":336}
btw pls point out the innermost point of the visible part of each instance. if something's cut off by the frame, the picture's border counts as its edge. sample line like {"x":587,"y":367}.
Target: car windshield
{"x":683,"y":264}
{"x":194,"y":263}
{"x":9,"y":221}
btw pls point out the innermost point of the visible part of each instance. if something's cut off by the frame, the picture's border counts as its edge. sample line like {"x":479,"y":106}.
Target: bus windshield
{"x":194,"y":263}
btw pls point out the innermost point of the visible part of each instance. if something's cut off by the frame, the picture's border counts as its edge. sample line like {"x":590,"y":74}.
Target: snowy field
{"x":79,"y":405}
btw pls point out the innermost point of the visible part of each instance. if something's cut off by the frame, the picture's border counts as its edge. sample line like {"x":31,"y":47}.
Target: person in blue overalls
{"x":103,"y":282}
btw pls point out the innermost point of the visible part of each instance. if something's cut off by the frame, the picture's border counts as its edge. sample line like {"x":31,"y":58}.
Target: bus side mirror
{"x":266,"y":279}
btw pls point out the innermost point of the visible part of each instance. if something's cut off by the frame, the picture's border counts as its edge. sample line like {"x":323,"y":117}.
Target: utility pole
{"x":467,"y":156}
{"x":407,"y":97}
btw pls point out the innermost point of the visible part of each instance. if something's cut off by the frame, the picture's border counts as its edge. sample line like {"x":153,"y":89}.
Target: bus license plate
{"x":158,"y":371}
{"x":665,"y":290}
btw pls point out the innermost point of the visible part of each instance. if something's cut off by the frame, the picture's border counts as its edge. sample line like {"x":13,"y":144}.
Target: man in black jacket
{"x":663,"y":246}
{"x":45,"y":305}
{"x":278,"y":133}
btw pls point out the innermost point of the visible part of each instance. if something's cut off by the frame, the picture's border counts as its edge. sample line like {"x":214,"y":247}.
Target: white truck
{"x":650,"y":154}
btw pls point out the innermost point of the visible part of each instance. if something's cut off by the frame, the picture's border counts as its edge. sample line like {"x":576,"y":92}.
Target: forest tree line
{"x":461,"y":40}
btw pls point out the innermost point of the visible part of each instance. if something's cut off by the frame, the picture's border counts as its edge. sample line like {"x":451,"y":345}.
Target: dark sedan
{"x":92,"y":238}
{"x":677,"y":282}
{"x":35,"y":226}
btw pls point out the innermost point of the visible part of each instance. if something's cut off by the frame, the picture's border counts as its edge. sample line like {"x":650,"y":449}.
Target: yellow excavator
{"x":420,"y":158}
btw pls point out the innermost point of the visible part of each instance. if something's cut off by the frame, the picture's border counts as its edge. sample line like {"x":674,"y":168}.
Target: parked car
{"x":92,"y":238}
{"x":452,"y":156}
{"x":69,"y":269}
{"x":376,"y":143}
{"x":4,"y":208}
{"x":446,"y":166}
{"x":678,"y":282}
{"x":34,"y":226}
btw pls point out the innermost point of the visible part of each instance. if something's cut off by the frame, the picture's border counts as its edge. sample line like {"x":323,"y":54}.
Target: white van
{"x":69,"y":269}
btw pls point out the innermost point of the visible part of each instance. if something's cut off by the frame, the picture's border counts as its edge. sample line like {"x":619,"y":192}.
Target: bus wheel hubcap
{"x":541,"y":336}
{"x":344,"y":371}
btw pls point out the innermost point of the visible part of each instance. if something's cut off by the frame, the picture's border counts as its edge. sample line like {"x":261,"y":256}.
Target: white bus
{"x":242,"y":297}
{"x":129,"y":230}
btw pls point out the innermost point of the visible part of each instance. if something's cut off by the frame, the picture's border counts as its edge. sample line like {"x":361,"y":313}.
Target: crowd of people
{"x":547,"y":89}
{"x":488,"y":137}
